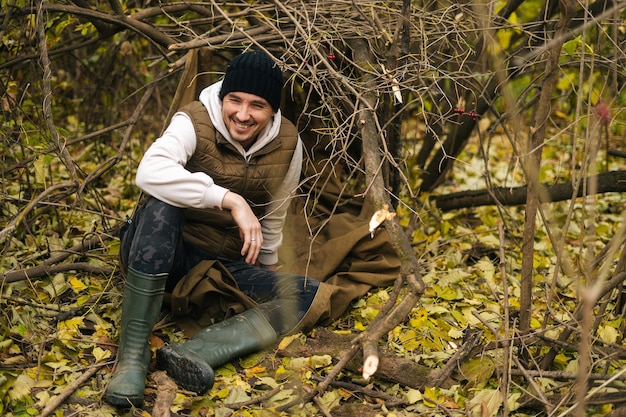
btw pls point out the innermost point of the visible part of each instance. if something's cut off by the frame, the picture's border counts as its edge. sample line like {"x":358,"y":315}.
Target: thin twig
{"x":462,"y":353}
{"x":49,"y":266}
{"x":61,"y":149}
{"x":391,"y":400}
{"x":56,"y":402}
{"x":255,"y":400}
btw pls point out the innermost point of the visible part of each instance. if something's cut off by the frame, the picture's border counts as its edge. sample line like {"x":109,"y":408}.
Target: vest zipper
{"x":245,"y":175}
{"x":275,"y":144}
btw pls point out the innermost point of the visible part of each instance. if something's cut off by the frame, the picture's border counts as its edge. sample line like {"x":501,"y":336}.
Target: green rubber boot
{"x":141,"y":305}
{"x":191,"y":363}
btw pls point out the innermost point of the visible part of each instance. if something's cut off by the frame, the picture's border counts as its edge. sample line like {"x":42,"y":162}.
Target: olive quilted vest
{"x":256,"y":180}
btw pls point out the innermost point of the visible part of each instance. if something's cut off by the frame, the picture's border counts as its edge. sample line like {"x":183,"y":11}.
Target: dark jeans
{"x":152,"y":243}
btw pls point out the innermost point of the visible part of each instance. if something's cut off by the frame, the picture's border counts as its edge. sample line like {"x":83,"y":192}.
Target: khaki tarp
{"x":326,"y":234}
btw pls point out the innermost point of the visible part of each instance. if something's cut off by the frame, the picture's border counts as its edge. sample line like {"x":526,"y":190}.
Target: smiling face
{"x":245,"y":116}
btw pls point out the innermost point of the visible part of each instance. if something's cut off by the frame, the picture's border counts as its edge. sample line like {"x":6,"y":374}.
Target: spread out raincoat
{"x":321,"y":239}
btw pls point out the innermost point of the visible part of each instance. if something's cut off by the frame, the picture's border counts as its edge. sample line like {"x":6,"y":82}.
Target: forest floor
{"x":58,"y":334}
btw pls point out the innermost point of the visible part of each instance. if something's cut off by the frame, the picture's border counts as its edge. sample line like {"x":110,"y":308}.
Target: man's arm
{"x":162,"y":172}
{"x":249,"y":226}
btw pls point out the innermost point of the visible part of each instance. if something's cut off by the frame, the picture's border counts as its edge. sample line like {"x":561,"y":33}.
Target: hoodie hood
{"x":209,"y":97}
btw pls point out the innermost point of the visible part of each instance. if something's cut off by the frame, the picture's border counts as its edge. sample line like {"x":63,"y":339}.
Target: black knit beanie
{"x":254,"y":73}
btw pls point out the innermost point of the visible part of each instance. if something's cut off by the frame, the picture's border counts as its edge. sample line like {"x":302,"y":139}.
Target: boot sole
{"x":123,"y":401}
{"x":189,"y":373}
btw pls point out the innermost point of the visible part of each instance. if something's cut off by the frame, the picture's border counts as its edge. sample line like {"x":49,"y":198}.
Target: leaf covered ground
{"x":58,"y":329}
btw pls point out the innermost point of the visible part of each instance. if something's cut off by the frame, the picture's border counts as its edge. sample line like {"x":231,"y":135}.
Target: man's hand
{"x":249,"y":226}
